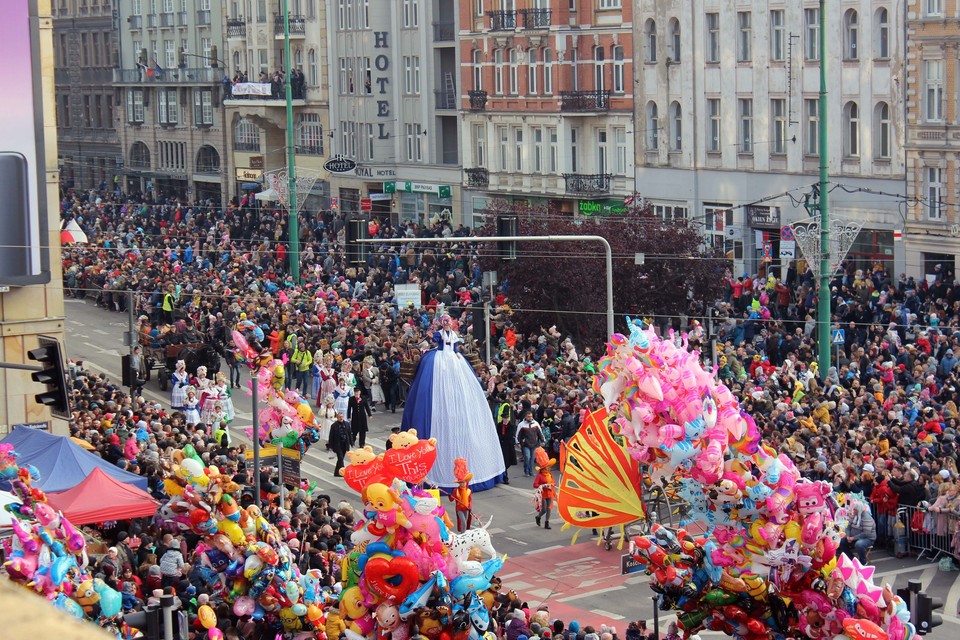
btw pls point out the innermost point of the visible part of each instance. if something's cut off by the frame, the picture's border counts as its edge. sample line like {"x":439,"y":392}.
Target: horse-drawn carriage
{"x":164,"y":358}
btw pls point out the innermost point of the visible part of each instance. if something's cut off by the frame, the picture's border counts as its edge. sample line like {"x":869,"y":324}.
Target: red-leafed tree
{"x":564,"y":283}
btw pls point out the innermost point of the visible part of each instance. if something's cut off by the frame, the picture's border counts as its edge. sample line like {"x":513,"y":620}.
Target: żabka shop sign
{"x":601,"y":207}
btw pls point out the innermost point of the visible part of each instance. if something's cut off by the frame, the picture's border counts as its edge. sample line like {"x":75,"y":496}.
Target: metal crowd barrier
{"x":927,"y":533}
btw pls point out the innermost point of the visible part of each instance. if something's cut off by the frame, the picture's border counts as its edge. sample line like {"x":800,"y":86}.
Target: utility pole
{"x":293,"y":224}
{"x":823,"y":298}
{"x":134,"y":340}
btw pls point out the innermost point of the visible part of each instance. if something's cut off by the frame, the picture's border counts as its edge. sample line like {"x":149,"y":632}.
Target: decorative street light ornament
{"x":843,"y":233}
{"x":279,"y":181}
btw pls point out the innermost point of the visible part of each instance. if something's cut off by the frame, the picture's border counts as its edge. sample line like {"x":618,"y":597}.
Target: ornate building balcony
{"x":478,"y":100}
{"x":587,"y":184}
{"x":584,"y":101}
{"x":477,"y":177}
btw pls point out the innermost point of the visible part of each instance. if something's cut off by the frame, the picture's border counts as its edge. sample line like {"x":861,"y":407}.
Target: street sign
{"x":838,"y":336}
{"x":271,"y":450}
{"x":39,"y":426}
{"x":366,"y":204}
{"x":767,"y":251}
{"x":628,"y":565}
{"x":290,"y":470}
{"x":788,"y":249}
{"x":786,"y":233}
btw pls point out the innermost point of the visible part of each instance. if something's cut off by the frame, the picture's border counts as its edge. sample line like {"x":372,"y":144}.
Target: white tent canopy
{"x":270,"y":195}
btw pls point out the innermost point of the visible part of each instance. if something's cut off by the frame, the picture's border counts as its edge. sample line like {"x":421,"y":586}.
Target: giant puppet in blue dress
{"x":446,"y":402}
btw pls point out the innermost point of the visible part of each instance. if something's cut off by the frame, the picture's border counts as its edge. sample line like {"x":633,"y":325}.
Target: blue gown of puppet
{"x":446,"y":402}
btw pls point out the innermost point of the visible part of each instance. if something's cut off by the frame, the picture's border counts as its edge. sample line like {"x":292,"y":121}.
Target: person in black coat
{"x":507,"y":434}
{"x":339,"y":441}
{"x":358,"y":410}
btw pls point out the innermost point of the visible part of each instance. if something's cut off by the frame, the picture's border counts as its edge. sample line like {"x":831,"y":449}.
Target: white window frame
{"x":479,"y":144}
{"x":548,"y":72}
{"x":650,"y":41}
{"x":744,"y":36}
{"x":884,"y":142}
{"x":712,"y":52}
{"x":514,"y":57}
{"x":882,"y":35}
{"x":554,"y":164}
{"x":851,"y":130}
{"x":745,"y":129}
{"x":933,"y":73}
{"x":851,"y":35}
{"x":811,"y":34}
{"x":811,"y":114}
{"x":411,"y":14}
{"x":621,"y":158}
{"x":538,"y":163}
{"x":532,"y":71}
{"x":518,"y":149}
{"x":498,"y":72}
{"x":603,"y":160}
{"x":676,"y":126}
{"x":652,"y":127}
{"x":778,"y":126}
{"x":778,"y":36}
{"x":676,"y":44}
{"x":203,"y":107}
{"x":932,"y":8}
{"x":503,"y":139}
{"x":599,"y":68}
{"x":135,"y":106}
{"x":714,"y":125}
{"x":619,"y":81}
{"x":610,"y":4}
{"x":933,"y":193}
{"x":477,"y":60}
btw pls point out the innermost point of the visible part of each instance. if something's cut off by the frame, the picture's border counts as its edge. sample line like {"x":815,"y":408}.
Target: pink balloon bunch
{"x":769,"y":533}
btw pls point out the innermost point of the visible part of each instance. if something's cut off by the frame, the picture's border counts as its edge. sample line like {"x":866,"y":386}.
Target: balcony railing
{"x":166,"y":20}
{"x":203,"y":17}
{"x":536,"y":18}
{"x":444,"y":31}
{"x":135,"y":22}
{"x":587,"y":184}
{"x":478,"y":100}
{"x":240,"y":145}
{"x":502,"y":20}
{"x":446,"y":99}
{"x":199,"y":75}
{"x":236,"y":28}
{"x":298,"y":25}
{"x":309,"y":149}
{"x":584,"y":100}
{"x":477,"y":177}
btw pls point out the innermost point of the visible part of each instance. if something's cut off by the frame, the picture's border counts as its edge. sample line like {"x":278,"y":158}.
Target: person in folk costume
{"x":191,"y":408}
{"x":371,"y":380}
{"x":328,"y":378}
{"x":203,"y":384}
{"x":179,"y":380}
{"x":446,"y":402}
{"x":341,"y":395}
{"x":315,"y":379}
{"x":219,"y":396}
{"x":325,"y":419}
{"x":462,"y":496}
{"x":347,"y":375}
{"x":543,"y":484}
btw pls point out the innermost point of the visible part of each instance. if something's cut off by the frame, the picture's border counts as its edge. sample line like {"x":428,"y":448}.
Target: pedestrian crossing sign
{"x":838,"y":336}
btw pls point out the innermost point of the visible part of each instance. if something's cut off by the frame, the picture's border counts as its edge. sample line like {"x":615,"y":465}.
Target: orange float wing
{"x":600,"y":486}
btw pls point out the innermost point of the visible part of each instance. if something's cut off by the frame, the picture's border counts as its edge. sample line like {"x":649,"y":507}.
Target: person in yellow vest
{"x":167,"y":305}
{"x":302,"y":359}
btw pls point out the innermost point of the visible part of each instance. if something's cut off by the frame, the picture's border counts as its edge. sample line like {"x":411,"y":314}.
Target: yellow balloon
{"x":207,"y":617}
{"x":305,"y":413}
{"x":314,"y":613}
{"x":792,"y":530}
{"x":172,"y":487}
{"x":232,"y":531}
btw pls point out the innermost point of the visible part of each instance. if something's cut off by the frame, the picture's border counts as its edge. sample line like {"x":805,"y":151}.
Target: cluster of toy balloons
{"x":768,"y":563}
{"x":48,"y":554}
{"x":287,"y":418}
{"x":408,"y":569}
{"x":242,"y":558}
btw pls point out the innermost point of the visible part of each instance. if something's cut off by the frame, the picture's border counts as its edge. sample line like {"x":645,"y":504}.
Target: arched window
{"x":676,"y":127}
{"x":851,"y":35}
{"x":674,"y":28}
{"x":312,"y":64}
{"x":477,"y":69}
{"x":881,"y":33}
{"x":498,"y":72}
{"x":619,"y":82}
{"x":139,"y":156}
{"x":653,"y":126}
{"x":236,"y":62}
{"x":246,"y":136}
{"x":882,"y":132}
{"x":298,"y":59}
{"x":851,"y":130}
{"x":208,"y":160}
{"x":514,"y":72}
{"x":650,"y":40}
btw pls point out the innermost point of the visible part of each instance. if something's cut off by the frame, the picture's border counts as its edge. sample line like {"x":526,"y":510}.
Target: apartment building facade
{"x":728,"y":119}
{"x":169,"y":89}
{"x":548,"y":104}
{"x":84,"y":55}
{"x":394,"y":108}
{"x":932,"y":233}
{"x":257,"y":124}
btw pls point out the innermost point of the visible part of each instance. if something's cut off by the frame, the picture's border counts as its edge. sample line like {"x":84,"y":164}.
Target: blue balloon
{"x":258,"y":612}
{"x":110,"y":602}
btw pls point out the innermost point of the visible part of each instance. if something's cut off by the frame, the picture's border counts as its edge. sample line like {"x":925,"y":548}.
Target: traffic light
{"x":357,"y":229}
{"x":50,"y":355}
{"x":926,"y":619}
{"x":507,"y":226}
{"x":181,"y":58}
{"x":213,"y":57}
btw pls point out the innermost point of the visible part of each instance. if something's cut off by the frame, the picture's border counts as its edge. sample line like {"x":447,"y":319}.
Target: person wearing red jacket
{"x":884,"y":501}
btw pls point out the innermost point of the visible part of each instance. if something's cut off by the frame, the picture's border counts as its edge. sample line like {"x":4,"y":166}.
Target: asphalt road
{"x":580,"y":581}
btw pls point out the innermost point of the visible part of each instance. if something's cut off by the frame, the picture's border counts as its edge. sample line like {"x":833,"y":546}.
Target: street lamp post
{"x":293,"y":224}
{"x":823,"y":297}
{"x":608,"y":254}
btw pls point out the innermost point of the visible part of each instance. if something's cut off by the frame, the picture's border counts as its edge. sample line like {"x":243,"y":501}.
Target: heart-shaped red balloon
{"x":360,"y":475}
{"x":411,"y":464}
{"x":391,"y":579}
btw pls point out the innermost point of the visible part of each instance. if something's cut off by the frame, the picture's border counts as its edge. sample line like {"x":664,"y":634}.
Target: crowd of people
{"x":882,"y":421}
